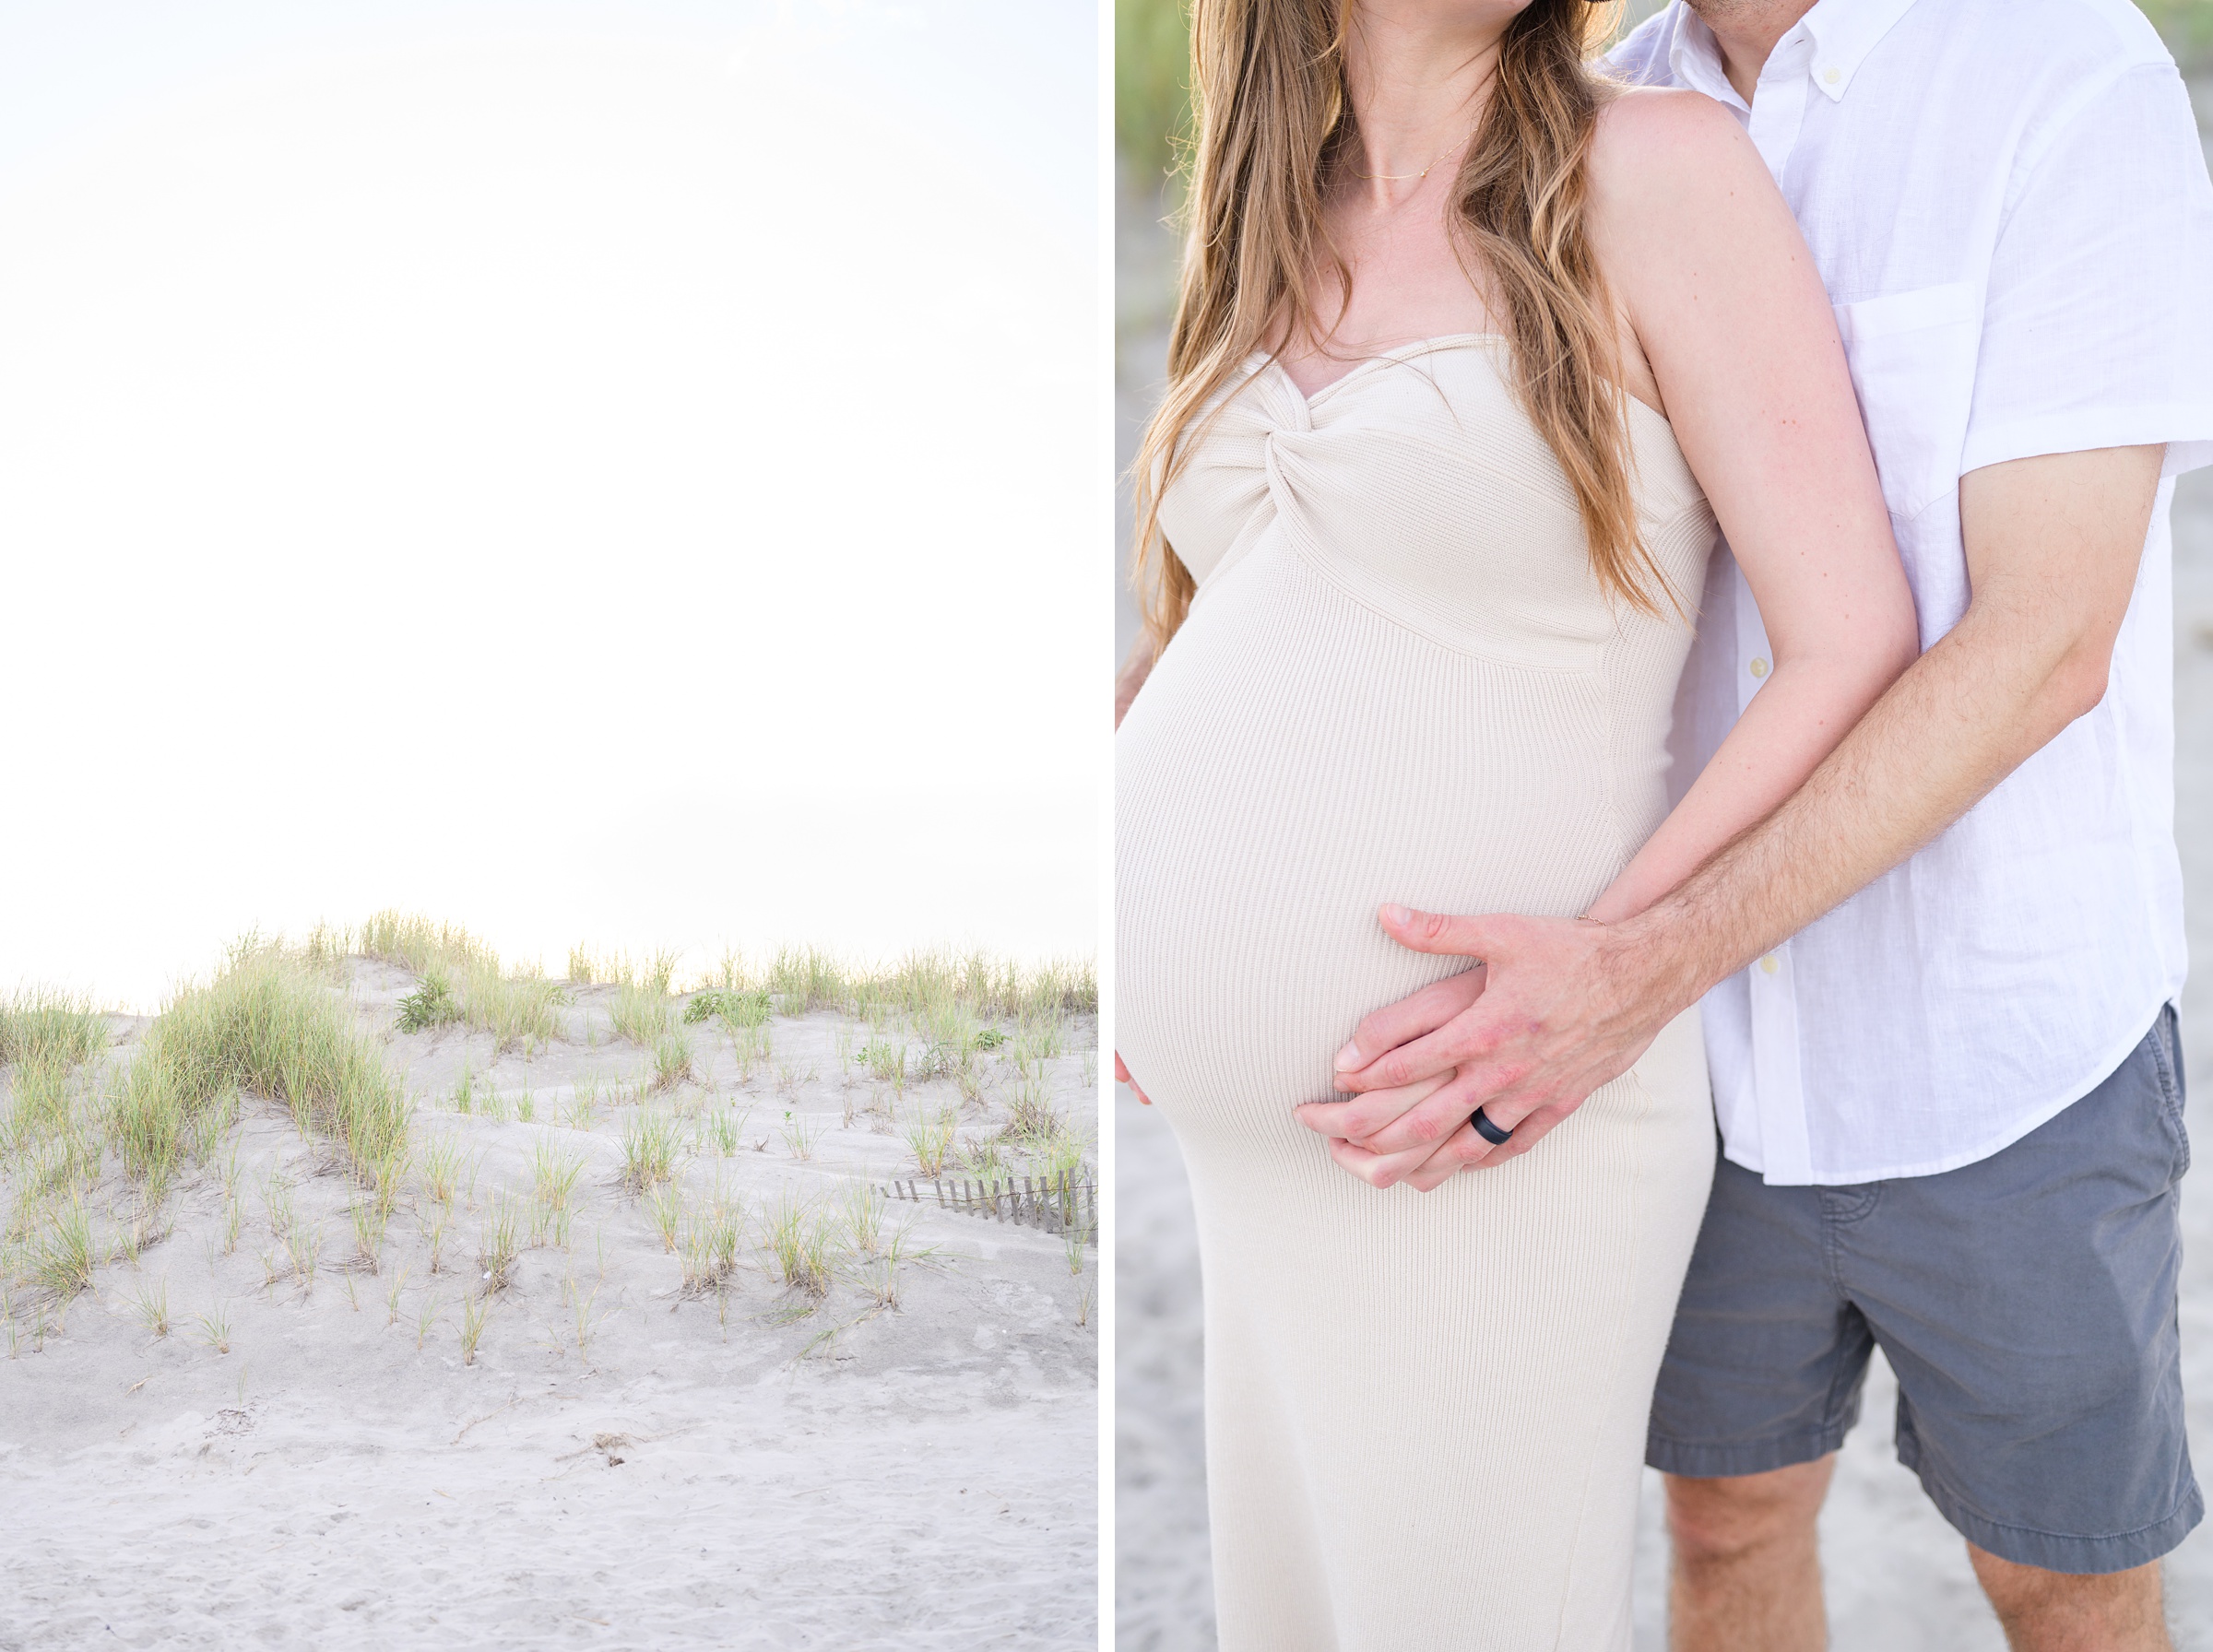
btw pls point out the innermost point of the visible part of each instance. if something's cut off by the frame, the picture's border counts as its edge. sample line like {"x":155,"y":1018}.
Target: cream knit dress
{"x":1400,"y":681}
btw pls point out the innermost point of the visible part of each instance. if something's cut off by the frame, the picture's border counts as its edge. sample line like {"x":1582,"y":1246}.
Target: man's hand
{"x":1549,"y":1014}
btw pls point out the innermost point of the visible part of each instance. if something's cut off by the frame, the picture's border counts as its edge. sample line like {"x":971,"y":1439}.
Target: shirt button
{"x":1759,"y":667}
{"x":1770,"y":964}
{"x":1830,"y":76}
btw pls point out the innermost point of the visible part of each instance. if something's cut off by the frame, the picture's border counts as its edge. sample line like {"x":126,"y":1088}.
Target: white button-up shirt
{"x":2007,"y":202}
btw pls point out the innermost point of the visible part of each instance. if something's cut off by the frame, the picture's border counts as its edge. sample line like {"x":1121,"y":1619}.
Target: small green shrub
{"x":739,"y":1009}
{"x":432,"y":1003}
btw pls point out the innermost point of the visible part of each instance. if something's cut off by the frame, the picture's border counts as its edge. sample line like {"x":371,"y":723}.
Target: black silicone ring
{"x":1489,"y":1131}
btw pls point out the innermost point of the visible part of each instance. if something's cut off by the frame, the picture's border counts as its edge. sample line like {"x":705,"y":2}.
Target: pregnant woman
{"x":1471,"y":353}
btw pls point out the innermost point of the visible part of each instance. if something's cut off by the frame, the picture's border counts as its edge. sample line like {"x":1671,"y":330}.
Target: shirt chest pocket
{"x":1912,"y":359}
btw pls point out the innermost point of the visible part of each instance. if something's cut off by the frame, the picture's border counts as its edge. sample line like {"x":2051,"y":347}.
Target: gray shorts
{"x":2027,"y":1303}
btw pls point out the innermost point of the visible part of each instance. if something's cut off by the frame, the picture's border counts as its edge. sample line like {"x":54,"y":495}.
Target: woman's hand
{"x":1350,"y":1124}
{"x":1121,"y":1076}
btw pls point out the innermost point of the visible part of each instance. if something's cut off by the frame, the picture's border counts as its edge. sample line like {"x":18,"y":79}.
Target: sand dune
{"x":631,"y":1454}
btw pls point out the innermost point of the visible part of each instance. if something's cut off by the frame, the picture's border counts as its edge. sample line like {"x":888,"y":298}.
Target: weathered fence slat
{"x":1058,"y":1204}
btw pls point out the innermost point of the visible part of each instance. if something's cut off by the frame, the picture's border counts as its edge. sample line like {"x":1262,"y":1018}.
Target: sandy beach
{"x":641,"y":1355}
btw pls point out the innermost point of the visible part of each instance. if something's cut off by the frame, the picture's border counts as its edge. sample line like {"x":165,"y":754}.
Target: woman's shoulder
{"x":1662,"y":152}
{"x":1655,"y":134}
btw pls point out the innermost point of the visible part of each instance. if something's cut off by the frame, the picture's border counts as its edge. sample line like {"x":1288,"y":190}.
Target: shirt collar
{"x":1841,"y":32}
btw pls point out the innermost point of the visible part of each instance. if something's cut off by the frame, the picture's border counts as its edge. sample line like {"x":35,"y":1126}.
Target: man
{"x":1948,"y":1085}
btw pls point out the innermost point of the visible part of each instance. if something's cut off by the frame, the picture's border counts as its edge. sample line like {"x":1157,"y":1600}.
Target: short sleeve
{"x":2098,"y":324}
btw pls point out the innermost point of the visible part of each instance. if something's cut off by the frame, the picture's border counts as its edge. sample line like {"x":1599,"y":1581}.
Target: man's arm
{"x":1563,"y":1006}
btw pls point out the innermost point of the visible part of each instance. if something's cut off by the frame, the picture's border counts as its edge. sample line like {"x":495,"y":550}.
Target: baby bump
{"x":1295,"y":760}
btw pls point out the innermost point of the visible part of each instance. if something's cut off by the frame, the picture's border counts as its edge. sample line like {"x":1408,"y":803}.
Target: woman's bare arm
{"x":1742,"y":343}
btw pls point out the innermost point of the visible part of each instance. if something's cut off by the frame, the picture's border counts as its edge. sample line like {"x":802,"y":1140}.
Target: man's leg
{"x":2059,"y":1612}
{"x":2028,"y":1302}
{"x":1760,"y":1386}
{"x":1748,"y":1577}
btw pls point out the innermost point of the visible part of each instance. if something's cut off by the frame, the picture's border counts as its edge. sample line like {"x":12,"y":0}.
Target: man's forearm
{"x":1964,"y":717}
{"x":2053,"y":547}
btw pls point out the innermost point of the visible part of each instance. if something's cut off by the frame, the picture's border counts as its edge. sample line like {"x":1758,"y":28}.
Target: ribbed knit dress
{"x":1400,"y":681}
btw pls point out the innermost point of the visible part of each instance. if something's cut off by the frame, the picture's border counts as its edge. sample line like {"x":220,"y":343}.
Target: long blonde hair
{"x":1273,"y":121}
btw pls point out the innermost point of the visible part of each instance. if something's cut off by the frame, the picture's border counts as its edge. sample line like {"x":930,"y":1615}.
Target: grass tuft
{"x":802,"y":1243}
{"x":463,"y":976}
{"x":266,"y":1023}
{"x":652,"y":1143}
{"x":475,"y":1311}
{"x":930,"y":1136}
{"x":671,"y":1059}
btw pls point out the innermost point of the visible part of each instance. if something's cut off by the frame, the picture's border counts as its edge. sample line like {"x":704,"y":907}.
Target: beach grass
{"x":499,"y":1243}
{"x":643,"y":1011}
{"x":265,"y":1101}
{"x":464,"y":978}
{"x":802,"y":1243}
{"x":930,"y":1133}
{"x":652,"y":1143}
{"x":799,"y":1134}
{"x":672,"y":1051}
{"x":476,"y":1309}
{"x":267,"y":1022}
{"x":712,"y":1238}
{"x":554,"y":1172}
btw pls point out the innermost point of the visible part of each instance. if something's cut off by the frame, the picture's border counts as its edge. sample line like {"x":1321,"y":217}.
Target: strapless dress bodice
{"x":1400,"y":681}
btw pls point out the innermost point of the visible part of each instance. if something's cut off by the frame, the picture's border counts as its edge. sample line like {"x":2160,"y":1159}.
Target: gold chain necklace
{"x":1402,"y":177}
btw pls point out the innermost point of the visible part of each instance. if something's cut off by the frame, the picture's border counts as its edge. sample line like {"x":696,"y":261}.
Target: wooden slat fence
{"x":1058,"y":1204}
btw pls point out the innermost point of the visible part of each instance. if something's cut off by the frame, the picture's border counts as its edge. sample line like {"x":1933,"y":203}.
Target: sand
{"x":706,"y":1470}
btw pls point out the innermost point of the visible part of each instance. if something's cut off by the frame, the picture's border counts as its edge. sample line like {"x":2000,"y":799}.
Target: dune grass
{"x":475,"y":1311}
{"x":711,"y":1240}
{"x":671,"y":1058}
{"x":643,"y":1011}
{"x":93,"y":1146}
{"x":553,"y":1175}
{"x":464,"y":979}
{"x":267,"y":1023}
{"x":499,"y":1243}
{"x":52,"y":1135}
{"x":43,"y":1024}
{"x":930,"y":1136}
{"x":652,"y":1144}
{"x":151,"y":1303}
{"x":801,"y":1242}
{"x":800,"y":980}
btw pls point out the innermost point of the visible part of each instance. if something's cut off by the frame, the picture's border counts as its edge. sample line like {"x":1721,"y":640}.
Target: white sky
{"x":622,"y":471}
